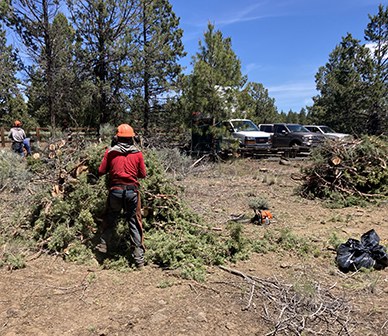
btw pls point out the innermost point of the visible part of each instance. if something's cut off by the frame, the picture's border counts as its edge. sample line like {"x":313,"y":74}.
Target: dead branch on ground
{"x":298,"y":311}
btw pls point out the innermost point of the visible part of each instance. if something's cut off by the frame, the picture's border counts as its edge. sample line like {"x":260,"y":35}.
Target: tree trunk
{"x":49,"y":62}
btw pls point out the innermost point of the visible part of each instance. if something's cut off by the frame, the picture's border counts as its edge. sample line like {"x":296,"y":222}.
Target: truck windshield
{"x":297,"y":128}
{"x":244,"y":125}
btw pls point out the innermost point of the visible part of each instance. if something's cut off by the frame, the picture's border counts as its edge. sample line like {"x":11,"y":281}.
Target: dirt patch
{"x":51,"y":297}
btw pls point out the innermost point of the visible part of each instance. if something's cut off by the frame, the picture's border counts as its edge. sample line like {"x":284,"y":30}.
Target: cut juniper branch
{"x":252,"y":291}
{"x":206,"y":227}
{"x":292,"y":311}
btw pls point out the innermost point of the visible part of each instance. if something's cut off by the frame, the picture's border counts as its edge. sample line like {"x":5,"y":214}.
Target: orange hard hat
{"x":17,"y":123}
{"x":125,"y":131}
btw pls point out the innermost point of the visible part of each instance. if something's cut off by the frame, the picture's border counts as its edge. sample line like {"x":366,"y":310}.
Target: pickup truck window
{"x":313,"y":129}
{"x":244,"y":125}
{"x":266,"y":128}
{"x":326,"y":129}
{"x":280,"y":128}
{"x":298,"y":128}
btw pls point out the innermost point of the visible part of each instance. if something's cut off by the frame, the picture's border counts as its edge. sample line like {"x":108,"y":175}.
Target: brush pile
{"x":348,"y":172}
{"x":64,"y":206}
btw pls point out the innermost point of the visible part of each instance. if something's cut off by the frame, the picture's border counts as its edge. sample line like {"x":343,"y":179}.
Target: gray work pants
{"x":126,"y":200}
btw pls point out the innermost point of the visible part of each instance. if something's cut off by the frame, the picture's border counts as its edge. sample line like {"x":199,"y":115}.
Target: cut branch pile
{"x":64,"y":213}
{"x":355,"y":169}
{"x":297,"y":310}
{"x":65,"y":216}
{"x":62,"y":162}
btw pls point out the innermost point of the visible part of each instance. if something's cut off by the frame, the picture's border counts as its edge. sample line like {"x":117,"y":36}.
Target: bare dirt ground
{"x":52,"y":297}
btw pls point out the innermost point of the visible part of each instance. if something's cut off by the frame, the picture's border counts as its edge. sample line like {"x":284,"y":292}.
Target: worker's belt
{"x":124,"y":187}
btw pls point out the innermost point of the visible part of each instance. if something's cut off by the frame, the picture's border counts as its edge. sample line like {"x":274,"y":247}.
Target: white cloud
{"x":292,"y":96}
{"x":251,"y":67}
{"x":372,"y":48}
{"x":245,"y":14}
{"x":294,"y":88}
{"x":239,"y":19}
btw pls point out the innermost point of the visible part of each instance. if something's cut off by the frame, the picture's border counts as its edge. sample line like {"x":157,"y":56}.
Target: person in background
{"x":125,"y":164}
{"x":17,"y":135}
{"x":27,"y":145}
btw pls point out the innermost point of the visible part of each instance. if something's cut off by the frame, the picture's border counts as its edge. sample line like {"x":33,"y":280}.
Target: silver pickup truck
{"x":328,"y":132}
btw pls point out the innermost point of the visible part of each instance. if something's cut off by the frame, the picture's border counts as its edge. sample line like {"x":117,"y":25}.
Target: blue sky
{"x":280,"y":43}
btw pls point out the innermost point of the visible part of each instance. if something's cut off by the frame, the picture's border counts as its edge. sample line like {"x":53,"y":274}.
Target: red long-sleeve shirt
{"x":123,"y":168}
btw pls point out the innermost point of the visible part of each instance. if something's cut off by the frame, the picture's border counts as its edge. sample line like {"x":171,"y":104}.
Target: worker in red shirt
{"x":125,"y":164}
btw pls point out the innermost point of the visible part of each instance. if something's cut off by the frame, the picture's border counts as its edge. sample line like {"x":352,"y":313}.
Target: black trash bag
{"x":367,"y":253}
{"x":370,"y":239}
{"x":379,"y":254}
{"x":351,"y":256}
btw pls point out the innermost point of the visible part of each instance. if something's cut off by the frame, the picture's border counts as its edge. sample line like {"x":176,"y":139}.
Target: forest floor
{"x":257,"y":296}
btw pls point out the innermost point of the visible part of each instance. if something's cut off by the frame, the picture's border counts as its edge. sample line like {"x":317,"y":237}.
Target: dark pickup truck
{"x":295,"y":135}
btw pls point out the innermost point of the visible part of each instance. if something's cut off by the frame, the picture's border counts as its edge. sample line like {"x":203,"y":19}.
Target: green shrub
{"x":275,"y":240}
{"x":79,"y":253}
{"x":174,"y":161}
{"x":291,"y":242}
{"x":12,"y":261}
{"x":259,"y":203}
{"x":13,"y":171}
{"x":12,"y":253}
{"x":334,"y":240}
{"x":265,"y":244}
{"x":175,"y":237}
{"x":238,"y":247}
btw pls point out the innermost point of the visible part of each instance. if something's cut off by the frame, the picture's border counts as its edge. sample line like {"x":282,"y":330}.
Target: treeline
{"x":93,"y":62}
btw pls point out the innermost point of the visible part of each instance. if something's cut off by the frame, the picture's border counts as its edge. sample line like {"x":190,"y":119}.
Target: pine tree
{"x":256,"y":104}
{"x":353,"y":84}
{"x":156,"y":70}
{"x":344,"y":88}
{"x":32,"y":19}
{"x":105,"y":30}
{"x":8,"y":81}
{"x":303,"y":116}
{"x":66,"y":89}
{"x":377,"y":34}
{"x":213,"y":87}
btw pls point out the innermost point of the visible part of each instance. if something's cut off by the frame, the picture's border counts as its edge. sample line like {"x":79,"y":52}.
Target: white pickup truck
{"x":247,"y":133}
